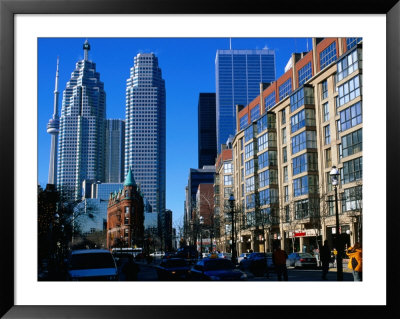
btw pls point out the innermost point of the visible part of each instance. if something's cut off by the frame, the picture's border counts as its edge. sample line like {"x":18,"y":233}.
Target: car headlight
{"x":215,"y":278}
{"x":243,"y":277}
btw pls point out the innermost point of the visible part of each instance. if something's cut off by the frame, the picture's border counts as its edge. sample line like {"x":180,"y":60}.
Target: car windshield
{"x":305,"y":255}
{"x":92,"y":261}
{"x":174,"y":263}
{"x":217,"y":264}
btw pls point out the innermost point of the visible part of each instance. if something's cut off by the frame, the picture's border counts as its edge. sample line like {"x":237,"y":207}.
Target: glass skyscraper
{"x":207,"y":137}
{"x":82,"y":129}
{"x":145,"y":128}
{"x":238,"y":75}
{"x":115,"y":148}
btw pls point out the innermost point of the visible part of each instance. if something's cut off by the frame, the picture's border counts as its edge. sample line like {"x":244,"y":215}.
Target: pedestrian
{"x":279,"y":259}
{"x":130,"y":269}
{"x":325,"y":259}
{"x":355,"y":262}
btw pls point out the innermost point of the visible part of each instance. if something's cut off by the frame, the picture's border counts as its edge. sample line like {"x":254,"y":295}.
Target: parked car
{"x":225,"y":256}
{"x":242,"y":256}
{"x":92,"y":265}
{"x":256,"y":263}
{"x":302,"y":260}
{"x":187,"y":252}
{"x":216,"y":269}
{"x":173,"y":269}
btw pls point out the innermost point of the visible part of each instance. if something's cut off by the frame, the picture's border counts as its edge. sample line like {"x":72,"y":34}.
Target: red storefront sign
{"x":299,"y":234}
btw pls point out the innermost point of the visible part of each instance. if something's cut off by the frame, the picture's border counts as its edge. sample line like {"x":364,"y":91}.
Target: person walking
{"x":279,"y":259}
{"x":325,"y":259}
{"x":355,"y":262}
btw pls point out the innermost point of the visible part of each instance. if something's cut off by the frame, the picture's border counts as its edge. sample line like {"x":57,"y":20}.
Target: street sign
{"x":299,"y":234}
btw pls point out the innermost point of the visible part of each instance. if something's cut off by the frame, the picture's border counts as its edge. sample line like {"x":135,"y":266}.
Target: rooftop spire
{"x":129,"y":180}
{"x":86,"y":49}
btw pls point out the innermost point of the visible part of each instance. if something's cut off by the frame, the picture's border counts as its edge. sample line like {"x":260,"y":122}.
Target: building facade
{"x":115,"y":148}
{"x":125,"y":216}
{"x":238,"y":75}
{"x":82,"y":129}
{"x":145,"y":128}
{"x":310,"y":120}
{"x":207,"y":134}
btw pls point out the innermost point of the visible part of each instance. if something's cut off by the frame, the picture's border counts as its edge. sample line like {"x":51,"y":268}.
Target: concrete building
{"x":145,"y":128}
{"x":207,"y":134}
{"x":82,"y":129}
{"x":309,"y":120}
{"x":238,"y":75}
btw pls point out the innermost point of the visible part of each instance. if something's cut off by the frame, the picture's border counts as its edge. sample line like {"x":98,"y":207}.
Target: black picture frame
{"x":8,"y":10}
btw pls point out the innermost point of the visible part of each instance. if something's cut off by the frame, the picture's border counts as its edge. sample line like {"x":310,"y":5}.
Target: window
{"x":351,"y":171}
{"x":304,"y":163}
{"x":304,"y":185}
{"x":327,"y":134}
{"x":286,"y":189}
{"x":284,"y":150}
{"x":351,"y":42}
{"x":268,"y":177}
{"x":266,"y":140}
{"x":351,"y":143}
{"x":350,"y":116}
{"x":327,"y":56}
{"x":262,"y":124}
{"x":228,"y":180}
{"x":250,"y":184}
{"x":328,"y":182}
{"x":268,"y":196}
{"x":285,"y":89}
{"x":267,"y":159}
{"x":228,"y":168}
{"x":287,"y":214}
{"x":304,"y":140}
{"x":255,"y":113}
{"x":244,"y":120}
{"x":284,"y":135}
{"x":347,"y":65}
{"x":126,"y":221}
{"x":326,"y":111}
{"x":324,"y":89}
{"x":285,"y":174}
{"x":352,"y":198}
{"x":301,"y":209}
{"x":331,"y":206}
{"x":248,"y":133}
{"x":305,"y":73}
{"x":349,"y":90}
{"x":241,"y":145}
{"x":303,"y":118}
{"x":248,"y":150}
{"x":283,"y":114}
{"x":270,"y":100}
{"x":227,"y":192}
{"x":328,"y":158}
{"x":249,"y":167}
{"x":250,"y":201}
{"x":241,"y":159}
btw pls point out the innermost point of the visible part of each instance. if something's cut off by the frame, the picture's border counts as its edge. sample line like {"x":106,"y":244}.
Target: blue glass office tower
{"x":207,"y":137}
{"x":115,"y":148}
{"x":82,"y":129}
{"x":145,"y":128}
{"x":238,"y":75}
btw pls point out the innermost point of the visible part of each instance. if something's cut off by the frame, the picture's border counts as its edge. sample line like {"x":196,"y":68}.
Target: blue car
{"x":216,"y":269}
{"x":301,"y":260}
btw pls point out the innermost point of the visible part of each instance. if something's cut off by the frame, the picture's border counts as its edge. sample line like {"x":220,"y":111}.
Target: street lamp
{"x":201,"y":236}
{"x":334,"y":173}
{"x":232,"y":205}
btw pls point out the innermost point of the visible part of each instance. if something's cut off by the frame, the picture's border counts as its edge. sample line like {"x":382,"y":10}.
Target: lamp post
{"x":201,"y":236}
{"x":232,"y":204}
{"x":334,"y":173}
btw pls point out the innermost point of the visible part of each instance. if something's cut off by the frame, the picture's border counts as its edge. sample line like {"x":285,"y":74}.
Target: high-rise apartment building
{"x":145,"y":128}
{"x":115,"y":148}
{"x":311,"y":122}
{"x":238,"y":75}
{"x":82,"y":129}
{"x":207,"y":134}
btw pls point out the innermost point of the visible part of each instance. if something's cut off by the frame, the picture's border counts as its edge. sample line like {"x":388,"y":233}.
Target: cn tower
{"x":53,"y":129}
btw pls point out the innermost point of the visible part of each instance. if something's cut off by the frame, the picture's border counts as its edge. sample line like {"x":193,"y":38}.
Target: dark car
{"x":302,"y":260}
{"x":173,"y":269}
{"x":257,"y":263}
{"x":216,"y":269}
{"x":187,"y":252}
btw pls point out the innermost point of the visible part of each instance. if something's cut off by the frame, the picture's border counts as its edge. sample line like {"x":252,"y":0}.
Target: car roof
{"x":90,"y":251}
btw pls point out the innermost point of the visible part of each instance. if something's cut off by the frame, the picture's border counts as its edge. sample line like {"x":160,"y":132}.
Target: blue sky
{"x":188,"y":67}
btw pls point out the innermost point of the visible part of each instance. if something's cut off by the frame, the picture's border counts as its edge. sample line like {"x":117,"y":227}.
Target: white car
{"x":157,"y":254}
{"x":92,"y":265}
